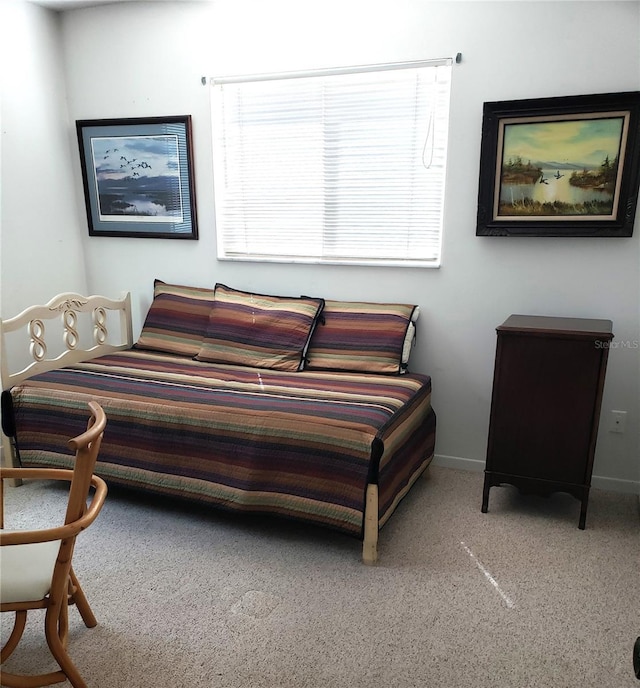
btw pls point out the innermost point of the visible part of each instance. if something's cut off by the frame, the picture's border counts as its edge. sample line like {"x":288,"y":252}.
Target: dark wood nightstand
{"x":547,"y":391}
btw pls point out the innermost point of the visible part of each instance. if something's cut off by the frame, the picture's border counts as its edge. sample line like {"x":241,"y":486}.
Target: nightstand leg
{"x":485,"y":496}
{"x":583,"y":511}
{"x":583,"y":508}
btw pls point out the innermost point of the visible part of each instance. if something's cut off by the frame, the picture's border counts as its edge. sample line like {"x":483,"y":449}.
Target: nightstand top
{"x":542,"y":323}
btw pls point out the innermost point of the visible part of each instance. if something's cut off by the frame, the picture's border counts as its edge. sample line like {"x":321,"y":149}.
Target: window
{"x":343,"y":166}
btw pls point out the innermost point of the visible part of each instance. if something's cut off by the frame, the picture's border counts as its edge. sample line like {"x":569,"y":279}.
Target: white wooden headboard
{"x":86,"y":327}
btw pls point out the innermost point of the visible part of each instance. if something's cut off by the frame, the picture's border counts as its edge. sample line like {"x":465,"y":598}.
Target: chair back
{"x":86,"y":447}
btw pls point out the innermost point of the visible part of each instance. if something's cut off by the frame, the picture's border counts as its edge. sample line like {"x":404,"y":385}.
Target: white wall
{"x":40,"y":227}
{"x":40,"y":230}
{"x":146,"y":59}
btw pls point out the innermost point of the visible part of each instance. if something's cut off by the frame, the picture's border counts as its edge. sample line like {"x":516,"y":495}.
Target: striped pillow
{"x":259,"y":330}
{"x":363,"y":337}
{"x":177,"y":319}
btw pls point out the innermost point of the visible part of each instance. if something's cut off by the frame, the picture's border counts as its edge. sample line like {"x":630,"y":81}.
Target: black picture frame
{"x":138,"y":179}
{"x":560,"y":167}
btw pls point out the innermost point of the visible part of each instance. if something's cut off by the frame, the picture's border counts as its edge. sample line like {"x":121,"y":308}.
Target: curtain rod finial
{"x":458,"y":58}
{"x":204,"y":80}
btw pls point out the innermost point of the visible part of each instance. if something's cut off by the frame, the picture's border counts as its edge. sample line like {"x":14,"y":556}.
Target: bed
{"x":328,"y":428}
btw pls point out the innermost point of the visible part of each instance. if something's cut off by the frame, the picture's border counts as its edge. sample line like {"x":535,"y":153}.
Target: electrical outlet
{"x":617,"y":421}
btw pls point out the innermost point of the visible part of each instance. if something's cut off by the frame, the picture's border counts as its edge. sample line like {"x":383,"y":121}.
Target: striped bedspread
{"x":301,"y":444}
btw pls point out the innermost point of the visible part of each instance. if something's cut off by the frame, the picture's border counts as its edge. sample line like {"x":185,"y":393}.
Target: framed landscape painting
{"x":560,"y":166}
{"x":138,"y":177}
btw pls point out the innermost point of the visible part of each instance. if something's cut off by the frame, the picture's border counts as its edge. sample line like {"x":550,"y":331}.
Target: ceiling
{"x":74,"y":4}
{"x":62,"y":5}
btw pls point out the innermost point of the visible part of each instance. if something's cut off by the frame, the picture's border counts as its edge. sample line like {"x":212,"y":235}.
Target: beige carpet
{"x":516,"y":598}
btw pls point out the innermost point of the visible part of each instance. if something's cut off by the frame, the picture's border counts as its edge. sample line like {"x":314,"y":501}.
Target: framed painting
{"x":554,"y":167}
{"x":138,"y":177}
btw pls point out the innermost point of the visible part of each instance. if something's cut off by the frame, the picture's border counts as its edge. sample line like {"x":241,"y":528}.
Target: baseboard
{"x":615,"y":485}
{"x":458,"y":462}
{"x":597,"y":481}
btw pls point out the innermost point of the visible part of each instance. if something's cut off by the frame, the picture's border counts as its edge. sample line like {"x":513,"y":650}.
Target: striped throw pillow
{"x":259,"y":330}
{"x":363,"y":337}
{"x":177,"y":319}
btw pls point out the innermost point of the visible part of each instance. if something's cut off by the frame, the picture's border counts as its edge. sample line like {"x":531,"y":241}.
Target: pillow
{"x":177,"y":319}
{"x":363,"y":337}
{"x":259,"y":330}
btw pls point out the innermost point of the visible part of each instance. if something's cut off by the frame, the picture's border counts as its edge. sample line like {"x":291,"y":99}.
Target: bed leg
{"x":426,"y":474}
{"x":370,"y":543}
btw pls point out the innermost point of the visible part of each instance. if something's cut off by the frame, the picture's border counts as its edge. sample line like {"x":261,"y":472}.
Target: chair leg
{"x":16,"y":680}
{"x":78,"y":597}
{"x":55,"y":643}
{"x":19,"y":623}
{"x":63,"y":622}
{"x":56,"y":628}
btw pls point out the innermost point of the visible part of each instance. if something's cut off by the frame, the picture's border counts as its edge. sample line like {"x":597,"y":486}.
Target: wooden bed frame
{"x":28,"y":331}
{"x":77,"y":314}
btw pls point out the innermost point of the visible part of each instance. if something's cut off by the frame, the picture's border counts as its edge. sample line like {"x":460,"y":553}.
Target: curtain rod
{"x":332,"y":71}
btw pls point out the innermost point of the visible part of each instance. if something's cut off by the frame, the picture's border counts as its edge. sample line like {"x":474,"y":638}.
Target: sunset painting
{"x":562,"y":168}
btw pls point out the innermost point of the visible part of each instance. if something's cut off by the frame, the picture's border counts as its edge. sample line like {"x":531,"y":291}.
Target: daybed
{"x":293,"y":406}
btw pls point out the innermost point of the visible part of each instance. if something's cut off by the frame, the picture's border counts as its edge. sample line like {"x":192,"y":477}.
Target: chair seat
{"x":26,"y":571}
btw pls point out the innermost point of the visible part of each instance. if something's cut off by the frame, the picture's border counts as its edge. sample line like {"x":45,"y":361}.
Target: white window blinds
{"x":332,"y":167}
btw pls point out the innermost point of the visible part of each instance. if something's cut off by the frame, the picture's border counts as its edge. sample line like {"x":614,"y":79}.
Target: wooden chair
{"x":35,"y":565}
